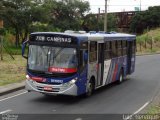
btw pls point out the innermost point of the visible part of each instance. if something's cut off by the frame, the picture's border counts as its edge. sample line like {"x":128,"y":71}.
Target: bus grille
{"x":52,"y":75}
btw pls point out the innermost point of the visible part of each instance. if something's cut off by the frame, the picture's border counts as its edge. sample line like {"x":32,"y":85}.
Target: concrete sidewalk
{"x":11,"y":88}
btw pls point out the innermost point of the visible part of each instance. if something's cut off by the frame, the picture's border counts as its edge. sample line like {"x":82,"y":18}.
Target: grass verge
{"x":154,"y":109}
{"x":12,"y":71}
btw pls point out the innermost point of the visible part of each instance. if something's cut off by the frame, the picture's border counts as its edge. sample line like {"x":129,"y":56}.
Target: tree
{"x":20,"y":15}
{"x":146,"y":19}
{"x":26,"y":16}
{"x":68,"y":14}
{"x":92,"y":23}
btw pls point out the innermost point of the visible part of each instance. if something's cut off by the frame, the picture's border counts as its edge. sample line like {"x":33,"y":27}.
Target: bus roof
{"x":94,"y":36}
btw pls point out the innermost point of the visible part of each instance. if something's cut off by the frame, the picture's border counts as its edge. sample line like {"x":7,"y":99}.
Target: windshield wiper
{"x":58,"y":53}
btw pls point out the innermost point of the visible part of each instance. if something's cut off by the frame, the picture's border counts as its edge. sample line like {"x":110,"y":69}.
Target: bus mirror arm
{"x":23,"y":49}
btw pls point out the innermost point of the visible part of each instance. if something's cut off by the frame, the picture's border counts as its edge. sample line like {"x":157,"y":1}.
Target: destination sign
{"x":55,"y":38}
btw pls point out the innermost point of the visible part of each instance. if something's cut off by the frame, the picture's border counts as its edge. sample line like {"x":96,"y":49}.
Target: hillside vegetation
{"x":12,"y":71}
{"x":143,"y":20}
{"x":149,"y":41}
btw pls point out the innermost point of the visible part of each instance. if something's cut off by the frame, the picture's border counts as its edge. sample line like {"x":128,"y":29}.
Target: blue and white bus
{"x":77,"y":63}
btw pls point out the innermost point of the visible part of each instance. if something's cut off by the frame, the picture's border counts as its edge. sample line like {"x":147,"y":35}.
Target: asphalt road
{"x":127,"y":98}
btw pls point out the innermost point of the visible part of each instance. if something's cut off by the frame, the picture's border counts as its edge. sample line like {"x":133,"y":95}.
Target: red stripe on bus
{"x":38,"y":79}
{"x":115,"y":72}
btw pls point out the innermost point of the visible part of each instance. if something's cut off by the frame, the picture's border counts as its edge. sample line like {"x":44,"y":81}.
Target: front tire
{"x":90,"y":89}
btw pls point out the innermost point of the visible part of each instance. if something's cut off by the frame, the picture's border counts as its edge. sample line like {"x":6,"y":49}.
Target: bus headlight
{"x":73,"y":81}
{"x":70,"y":82}
{"x":27,"y":77}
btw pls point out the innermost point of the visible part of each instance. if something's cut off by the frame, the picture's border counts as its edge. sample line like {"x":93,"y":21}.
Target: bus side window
{"x":124,"y":47}
{"x":93,"y":51}
{"x":119,"y":48}
{"x":107,"y":50}
{"x":114,"y":49}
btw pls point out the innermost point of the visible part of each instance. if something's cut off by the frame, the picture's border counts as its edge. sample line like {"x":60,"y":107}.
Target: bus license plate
{"x":47,"y":88}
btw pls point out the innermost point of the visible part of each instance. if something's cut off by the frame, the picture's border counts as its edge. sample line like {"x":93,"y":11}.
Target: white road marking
{"x":13,"y":96}
{"x":54,"y":110}
{"x":78,"y":119}
{"x":129,"y":117}
{"x":6,"y":111}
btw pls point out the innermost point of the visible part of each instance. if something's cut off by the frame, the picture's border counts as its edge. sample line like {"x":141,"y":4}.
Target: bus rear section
{"x":111,"y":58}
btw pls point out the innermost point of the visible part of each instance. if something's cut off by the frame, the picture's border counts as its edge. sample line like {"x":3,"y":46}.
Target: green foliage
{"x":12,"y":71}
{"x":140,"y":39}
{"x":14,"y":50}
{"x":143,"y":38}
{"x":25,"y":16}
{"x":146,"y":19}
{"x":112,"y":26}
{"x":157,"y":38}
{"x":20,"y":14}
{"x":152,"y":34}
{"x":149,"y":41}
{"x":2,"y":31}
{"x":68,"y":14}
{"x":97,"y":24}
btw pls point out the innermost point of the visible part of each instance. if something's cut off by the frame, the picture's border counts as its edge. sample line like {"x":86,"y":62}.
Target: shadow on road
{"x":59,"y":99}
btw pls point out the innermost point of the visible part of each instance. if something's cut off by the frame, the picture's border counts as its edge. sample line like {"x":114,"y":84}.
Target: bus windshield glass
{"x":52,"y":59}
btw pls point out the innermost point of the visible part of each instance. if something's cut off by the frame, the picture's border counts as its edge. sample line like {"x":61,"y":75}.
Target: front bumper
{"x":56,"y":89}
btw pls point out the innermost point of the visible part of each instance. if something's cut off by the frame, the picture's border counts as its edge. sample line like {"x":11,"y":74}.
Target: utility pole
{"x":105,"y":17}
{"x":1,"y":40}
{"x":98,"y":17}
{"x":140,"y":5}
{"x":1,"y":47}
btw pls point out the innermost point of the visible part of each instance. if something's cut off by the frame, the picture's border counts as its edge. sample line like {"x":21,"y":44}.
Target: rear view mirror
{"x":23,"y":49}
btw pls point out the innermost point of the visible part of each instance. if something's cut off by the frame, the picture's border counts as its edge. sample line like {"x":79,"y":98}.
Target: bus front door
{"x":100,"y":65}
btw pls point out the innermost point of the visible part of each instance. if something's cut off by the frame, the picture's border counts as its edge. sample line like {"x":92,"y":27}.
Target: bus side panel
{"x":133,"y":59}
{"x":133,"y":63}
{"x":115,"y":68}
{"x":122,"y":61}
{"x":82,"y":81}
{"x":107,"y":65}
{"x":120,"y":64}
{"x":112,"y":71}
{"x":125,"y":66}
{"x":92,"y":71}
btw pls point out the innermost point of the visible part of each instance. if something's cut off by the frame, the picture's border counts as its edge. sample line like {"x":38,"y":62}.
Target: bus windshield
{"x":52,"y":59}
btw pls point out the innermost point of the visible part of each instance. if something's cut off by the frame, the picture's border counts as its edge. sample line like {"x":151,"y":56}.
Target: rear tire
{"x":121,"y":77}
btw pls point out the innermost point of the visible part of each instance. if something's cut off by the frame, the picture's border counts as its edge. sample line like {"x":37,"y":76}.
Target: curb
{"x":11,"y":88}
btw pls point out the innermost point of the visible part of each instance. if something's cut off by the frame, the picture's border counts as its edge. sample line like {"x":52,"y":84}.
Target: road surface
{"x":127,"y":98}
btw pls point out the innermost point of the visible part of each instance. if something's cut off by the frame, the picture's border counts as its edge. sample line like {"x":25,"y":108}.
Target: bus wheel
{"x":121,"y":77}
{"x":90,"y":88}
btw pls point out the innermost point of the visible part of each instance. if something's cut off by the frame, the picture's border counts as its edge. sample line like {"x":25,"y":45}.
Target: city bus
{"x":77,"y":63}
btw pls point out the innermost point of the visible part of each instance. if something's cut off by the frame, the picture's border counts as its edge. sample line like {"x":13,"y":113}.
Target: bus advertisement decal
{"x":62,"y":70}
